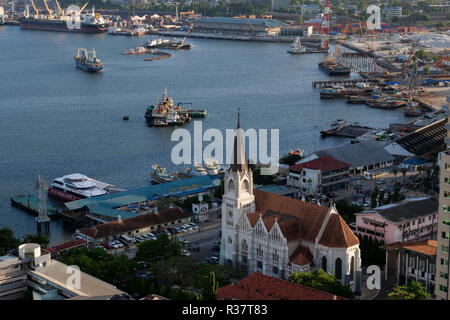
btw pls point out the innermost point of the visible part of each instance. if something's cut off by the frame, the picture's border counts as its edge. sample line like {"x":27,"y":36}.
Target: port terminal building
{"x":135,"y":202}
{"x":238,"y":26}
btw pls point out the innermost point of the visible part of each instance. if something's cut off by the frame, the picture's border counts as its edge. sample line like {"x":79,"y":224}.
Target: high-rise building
{"x":443,"y":236}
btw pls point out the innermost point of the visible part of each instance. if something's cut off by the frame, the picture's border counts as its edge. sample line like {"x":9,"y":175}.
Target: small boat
{"x":87,"y":60}
{"x":296,"y":47}
{"x":137,"y":50}
{"x":199,"y":170}
{"x":160,"y":175}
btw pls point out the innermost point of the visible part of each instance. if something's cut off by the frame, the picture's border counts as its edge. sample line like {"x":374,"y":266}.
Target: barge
{"x":334,"y":69}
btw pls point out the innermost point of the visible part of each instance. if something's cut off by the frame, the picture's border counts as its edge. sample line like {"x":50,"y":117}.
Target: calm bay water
{"x":56,"y":119}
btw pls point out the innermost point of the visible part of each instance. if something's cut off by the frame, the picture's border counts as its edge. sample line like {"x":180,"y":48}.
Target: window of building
{"x":444,"y":262}
{"x":443,"y":288}
{"x":259,"y":265}
{"x":230,"y":241}
{"x":446,"y":208}
{"x":444,"y":249}
{"x":443,"y":275}
{"x":275,"y":270}
{"x":446,"y":222}
{"x":445,"y":235}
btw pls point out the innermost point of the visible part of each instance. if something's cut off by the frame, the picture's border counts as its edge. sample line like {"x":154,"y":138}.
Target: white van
{"x":367,"y":175}
{"x":127,"y":239}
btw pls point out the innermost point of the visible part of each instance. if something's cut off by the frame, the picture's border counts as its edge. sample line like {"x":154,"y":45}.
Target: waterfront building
{"x":411,"y":261}
{"x":277,"y":235}
{"x":258,"y":286}
{"x":296,"y":31}
{"x":443,"y":239}
{"x":394,"y":12}
{"x":411,"y":219}
{"x":321,"y":175}
{"x":134,"y":202}
{"x":145,"y":223}
{"x":281,"y":4}
{"x":238,"y":26}
{"x":362,"y":156}
{"x":48,"y":279}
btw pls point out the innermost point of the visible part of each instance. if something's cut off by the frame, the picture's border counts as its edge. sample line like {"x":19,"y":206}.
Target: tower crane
{"x":338,"y":47}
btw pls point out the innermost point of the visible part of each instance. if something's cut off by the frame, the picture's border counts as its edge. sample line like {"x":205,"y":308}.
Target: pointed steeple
{"x":238,"y":161}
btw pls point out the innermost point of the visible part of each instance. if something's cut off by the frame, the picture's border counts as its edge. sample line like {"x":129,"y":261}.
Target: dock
{"x":30,"y":204}
{"x":346,"y":131}
{"x":160,"y":55}
{"x":345,"y":82}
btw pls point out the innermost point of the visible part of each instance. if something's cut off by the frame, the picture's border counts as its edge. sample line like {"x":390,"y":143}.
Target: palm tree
{"x":404,"y":174}
{"x":395,"y":171}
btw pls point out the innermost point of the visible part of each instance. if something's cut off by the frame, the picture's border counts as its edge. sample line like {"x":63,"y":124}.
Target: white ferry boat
{"x":75,"y":187}
{"x":296,"y":47}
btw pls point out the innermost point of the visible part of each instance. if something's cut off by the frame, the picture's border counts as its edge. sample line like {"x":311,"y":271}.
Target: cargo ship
{"x":71,"y":21}
{"x":334,"y":69}
{"x":87,"y":60}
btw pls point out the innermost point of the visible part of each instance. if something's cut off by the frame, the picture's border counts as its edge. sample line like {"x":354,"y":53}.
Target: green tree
{"x":414,"y":291}
{"x":210,"y":291}
{"x":152,"y":251}
{"x":290,"y":159}
{"x":39,"y":238}
{"x":322,"y":281}
{"x":404,"y":170}
{"x":7,"y":241}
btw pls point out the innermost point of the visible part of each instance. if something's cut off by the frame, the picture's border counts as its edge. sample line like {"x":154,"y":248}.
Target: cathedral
{"x":277,"y":235}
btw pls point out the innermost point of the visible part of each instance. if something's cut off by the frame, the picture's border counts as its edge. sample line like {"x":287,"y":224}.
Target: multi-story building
{"x":276,"y":235}
{"x":394,"y":12}
{"x":238,"y":26}
{"x":412,"y":219}
{"x":321,"y":175}
{"x":412,"y":261}
{"x":443,"y":238}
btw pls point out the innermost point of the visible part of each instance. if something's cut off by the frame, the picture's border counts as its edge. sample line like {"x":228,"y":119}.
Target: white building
{"x":394,"y":12}
{"x":276,"y":235}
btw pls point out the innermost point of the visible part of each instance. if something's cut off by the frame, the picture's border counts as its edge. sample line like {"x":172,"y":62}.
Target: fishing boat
{"x":87,"y":60}
{"x":296,"y":47}
{"x":160,"y":174}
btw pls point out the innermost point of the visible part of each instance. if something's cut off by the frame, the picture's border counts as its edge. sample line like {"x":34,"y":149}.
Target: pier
{"x":344,"y":82}
{"x":160,"y":55}
{"x":30,"y":204}
{"x":346,"y":131}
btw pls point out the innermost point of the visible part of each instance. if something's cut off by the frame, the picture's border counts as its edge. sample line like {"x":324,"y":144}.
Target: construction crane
{"x":326,"y":25}
{"x":34,"y":7}
{"x":338,"y":47}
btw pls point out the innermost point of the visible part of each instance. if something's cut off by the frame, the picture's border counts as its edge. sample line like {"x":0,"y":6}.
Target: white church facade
{"x":277,"y":235}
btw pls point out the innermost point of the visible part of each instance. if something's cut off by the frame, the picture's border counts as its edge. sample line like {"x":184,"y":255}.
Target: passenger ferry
{"x":75,"y":186}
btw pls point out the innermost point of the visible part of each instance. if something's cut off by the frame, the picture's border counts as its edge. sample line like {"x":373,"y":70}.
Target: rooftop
{"x":324,"y":164}
{"x":66,"y":245}
{"x":269,"y":23}
{"x":426,"y":247}
{"x":258,"y":286}
{"x":131,"y":224}
{"x":408,"y":209}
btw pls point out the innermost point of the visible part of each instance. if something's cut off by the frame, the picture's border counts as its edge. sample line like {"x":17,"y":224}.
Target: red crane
{"x":326,"y":25}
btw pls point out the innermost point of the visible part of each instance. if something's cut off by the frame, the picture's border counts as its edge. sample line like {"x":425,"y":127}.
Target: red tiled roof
{"x":308,"y":217}
{"x":427,"y":247}
{"x":130,"y":224}
{"x":301,"y":256}
{"x":66,"y":245}
{"x":258,"y":286}
{"x":324,"y":164}
{"x":337,"y":234}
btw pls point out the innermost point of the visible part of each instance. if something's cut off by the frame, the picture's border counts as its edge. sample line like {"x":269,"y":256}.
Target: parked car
{"x":185,"y":253}
{"x":214,"y":259}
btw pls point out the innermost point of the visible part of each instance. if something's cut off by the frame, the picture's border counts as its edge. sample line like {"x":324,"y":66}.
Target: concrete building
{"x":411,"y":219}
{"x":48,"y":279}
{"x":443,"y":239}
{"x":238,"y":26}
{"x":362,"y":156}
{"x":296,"y":31}
{"x":276,"y":235}
{"x":394,"y":12}
{"x":412,"y":261}
{"x":156,"y":221}
{"x":281,"y":4}
{"x":321,"y":175}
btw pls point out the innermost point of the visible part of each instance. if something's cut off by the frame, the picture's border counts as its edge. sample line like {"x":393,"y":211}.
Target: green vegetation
{"x":290,"y":159}
{"x":258,"y":178}
{"x":414,"y":291}
{"x":160,"y":249}
{"x":186,"y":204}
{"x":40,"y":238}
{"x":322,"y":281}
{"x":7,"y":241}
{"x":370,"y":251}
{"x":347,"y":210}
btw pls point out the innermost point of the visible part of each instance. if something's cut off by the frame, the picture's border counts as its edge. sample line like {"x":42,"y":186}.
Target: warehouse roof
{"x":269,"y":23}
{"x":432,"y":134}
{"x":104,"y":205}
{"x":360,"y":154}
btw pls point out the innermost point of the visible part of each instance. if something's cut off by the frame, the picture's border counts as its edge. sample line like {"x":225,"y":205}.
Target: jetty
{"x":346,"y":82}
{"x":30,"y":204}
{"x":351,"y":130}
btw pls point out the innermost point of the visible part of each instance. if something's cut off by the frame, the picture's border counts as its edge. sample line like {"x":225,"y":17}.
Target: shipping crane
{"x":85,"y":5}
{"x":61,"y":12}
{"x":338,"y":47}
{"x":34,"y":7}
{"x":47,"y":8}
{"x":326,"y":25}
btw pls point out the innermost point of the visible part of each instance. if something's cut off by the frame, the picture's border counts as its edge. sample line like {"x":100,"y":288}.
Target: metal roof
{"x":104,"y":205}
{"x":360,"y":154}
{"x":269,"y":23}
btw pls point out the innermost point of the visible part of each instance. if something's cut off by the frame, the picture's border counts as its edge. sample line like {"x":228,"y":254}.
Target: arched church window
{"x":244,"y":246}
{"x":231,"y":185}
{"x":246,"y":186}
{"x":230,"y":241}
{"x":259,"y":264}
{"x":324,"y":263}
{"x":230,"y":214}
{"x":338,"y":268}
{"x":352,"y":268}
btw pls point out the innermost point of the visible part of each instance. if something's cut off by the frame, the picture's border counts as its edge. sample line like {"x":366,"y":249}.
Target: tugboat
{"x":296,"y":47}
{"x":165,"y":113}
{"x":87,"y":60}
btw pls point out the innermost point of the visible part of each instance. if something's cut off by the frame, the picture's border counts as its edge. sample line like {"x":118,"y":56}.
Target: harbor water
{"x":56,"y":119}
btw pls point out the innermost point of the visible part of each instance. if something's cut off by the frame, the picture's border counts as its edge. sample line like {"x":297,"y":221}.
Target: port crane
{"x":338,"y":47}
{"x":61,"y":12}
{"x":83,"y":7}
{"x":36,"y":11}
{"x":326,"y":25}
{"x":50,"y":12}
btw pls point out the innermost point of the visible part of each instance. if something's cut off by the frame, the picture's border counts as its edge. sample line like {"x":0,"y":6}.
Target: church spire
{"x":238,"y":161}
